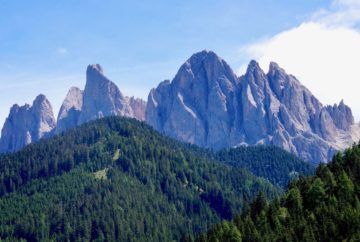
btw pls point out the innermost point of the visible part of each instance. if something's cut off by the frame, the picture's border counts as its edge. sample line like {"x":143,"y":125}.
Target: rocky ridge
{"x":205,"y":104}
{"x":26,"y":124}
{"x":101,"y":97}
{"x":208,"y":105}
{"x":70,"y":110}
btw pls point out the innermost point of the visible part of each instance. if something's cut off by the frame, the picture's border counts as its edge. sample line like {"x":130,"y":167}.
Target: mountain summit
{"x":208,"y":105}
{"x":197,"y":106}
{"x":27,"y":124}
{"x":100,"y":98}
{"x":70,"y":110}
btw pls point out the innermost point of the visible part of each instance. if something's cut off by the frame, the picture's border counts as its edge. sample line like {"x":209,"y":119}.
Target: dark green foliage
{"x":324,"y":207}
{"x":270,"y":162}
{"x":118,"y":180}
{"x":224,"y":232}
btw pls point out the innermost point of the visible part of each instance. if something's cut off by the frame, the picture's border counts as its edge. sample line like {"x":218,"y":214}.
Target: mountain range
{"x":205,"y":104}
{"x":100,"y":98}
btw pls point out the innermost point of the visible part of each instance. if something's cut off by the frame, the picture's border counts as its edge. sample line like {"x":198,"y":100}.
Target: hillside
{"x":270,"y":162}
{"x":324,"y":207}
{"x":117,"y":179}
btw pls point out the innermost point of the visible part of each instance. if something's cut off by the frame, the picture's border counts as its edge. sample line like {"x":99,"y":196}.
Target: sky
{"x":45,"y":46}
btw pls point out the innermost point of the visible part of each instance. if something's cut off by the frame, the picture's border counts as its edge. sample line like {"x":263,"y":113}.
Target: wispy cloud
{"x":62,"y":51}
{"x":339,"y":13}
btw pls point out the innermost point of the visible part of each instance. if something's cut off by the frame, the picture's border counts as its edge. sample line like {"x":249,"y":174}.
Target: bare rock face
{"x":102,"y":97}
{"x":207,"y":105}
{"x":70,"y":110}
{"x":341,"y":115}
{"x":138,"y":107}
{"x":198,"y":106}
{"x":27,"y":124}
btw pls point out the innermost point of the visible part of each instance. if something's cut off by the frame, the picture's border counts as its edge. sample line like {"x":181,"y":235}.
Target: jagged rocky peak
{"x":304,"y":108}
{"x":44,"y":116}
{"x":15,"y":108}
{"x":73,"y":99}
{"x":102,"y":97}
{"x":341,"y":115}
{"x":26,"y":124}
{"x":254,"y":69}
{"x":95,"y":78}
{"x":206,"y":104}
{"x":70,"y":110}
{"x":197,"y":106}
{"x":254,"y":84}
{"x":277,"y":78}
{"x":275,"y":69}
{"x":94,"y":68}
{"x":207,"y":65}
{"x":254,"y":75}
{"x":138,"y":107}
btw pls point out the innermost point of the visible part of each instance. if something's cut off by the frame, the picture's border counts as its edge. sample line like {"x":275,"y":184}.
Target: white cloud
{"x":62,"y":51}
{"x":340,"y":13}
{"x":347,"y":3}
{"x":324,"y":55}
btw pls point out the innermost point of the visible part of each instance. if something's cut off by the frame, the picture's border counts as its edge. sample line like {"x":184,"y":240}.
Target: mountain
{"x":323,"y":207}
{"x":138,"y":106}
{"x":70,"y":110}
{"x":117,"y":179}
{"x":27,"y":124}
{"x":198,"y":105}
{"x":208,"y":105}
{"x":100,"y":98}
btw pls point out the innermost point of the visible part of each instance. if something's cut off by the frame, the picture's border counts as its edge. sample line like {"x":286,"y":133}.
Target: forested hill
{"x":324,"y":207}
{"x":116,"y":179}
{"x":270,"y":162}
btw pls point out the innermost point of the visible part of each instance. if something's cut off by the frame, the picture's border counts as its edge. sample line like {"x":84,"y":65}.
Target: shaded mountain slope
{"x":269,"y":162}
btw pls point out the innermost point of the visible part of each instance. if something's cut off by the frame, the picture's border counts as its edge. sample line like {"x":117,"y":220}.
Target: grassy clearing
{"x":116,"y":155}
{"x":102,"y":174}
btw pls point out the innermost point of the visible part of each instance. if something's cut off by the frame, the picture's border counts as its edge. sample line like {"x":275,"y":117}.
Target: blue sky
{"x":45,"y":46}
